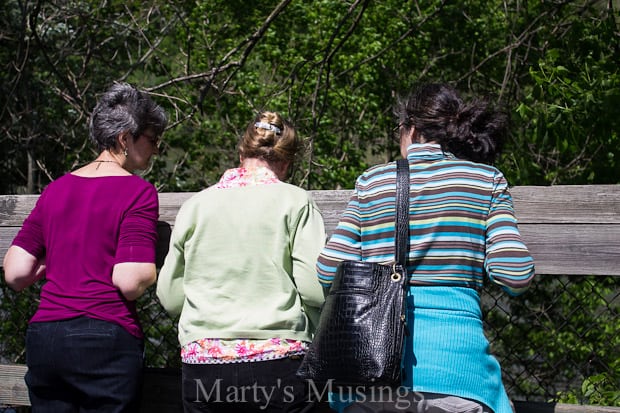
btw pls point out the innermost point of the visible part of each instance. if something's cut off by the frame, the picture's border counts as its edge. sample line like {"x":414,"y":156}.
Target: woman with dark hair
{"x":91,"y":238}
{"x":240,"y":272}
{"x":462,"y":229}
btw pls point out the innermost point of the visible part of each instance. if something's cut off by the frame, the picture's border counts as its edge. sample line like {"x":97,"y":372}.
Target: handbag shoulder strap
{"x":402,"y":212}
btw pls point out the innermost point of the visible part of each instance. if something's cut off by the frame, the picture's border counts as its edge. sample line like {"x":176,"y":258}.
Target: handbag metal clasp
{"x":395,"y":275}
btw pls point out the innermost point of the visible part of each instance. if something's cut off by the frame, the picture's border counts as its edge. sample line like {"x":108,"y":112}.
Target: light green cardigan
{"x":241,"y":264}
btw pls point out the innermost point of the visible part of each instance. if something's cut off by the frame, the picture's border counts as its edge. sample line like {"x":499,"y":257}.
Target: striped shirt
{"x":462,"y":228}
{"x":462,"y":224}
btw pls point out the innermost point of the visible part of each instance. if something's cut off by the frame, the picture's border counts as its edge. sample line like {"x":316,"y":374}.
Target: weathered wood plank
{"x":572,"y":204}
{"x":169,"y":204}
{"x":15,"y":208}
{"x":557,"y":249}
{"x":569,"y":229}
{"x":574,"y":249}
{"x":534,"y":407}
{"x":6,"y":237}
{"x":534,"y":204}
{"x":13,"y":390}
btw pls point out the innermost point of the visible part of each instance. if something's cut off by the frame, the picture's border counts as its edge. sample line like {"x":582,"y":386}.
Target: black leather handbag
{"x":360,"y":337}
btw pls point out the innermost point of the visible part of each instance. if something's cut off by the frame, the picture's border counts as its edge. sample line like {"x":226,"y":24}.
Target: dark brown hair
{"x":473,"y":130}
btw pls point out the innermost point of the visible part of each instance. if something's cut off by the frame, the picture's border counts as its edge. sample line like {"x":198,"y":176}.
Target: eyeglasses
{"x":153,"y":139}
{"x":396,"y":131}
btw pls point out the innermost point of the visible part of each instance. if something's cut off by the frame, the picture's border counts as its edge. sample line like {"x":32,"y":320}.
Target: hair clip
{"x":268,"y":126}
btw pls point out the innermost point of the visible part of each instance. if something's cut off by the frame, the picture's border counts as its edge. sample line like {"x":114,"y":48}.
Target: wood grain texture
{"x":13,"y":391}
{"x":534,"y":407}
{"x":575,"y":204}
{"x":569,"y":229}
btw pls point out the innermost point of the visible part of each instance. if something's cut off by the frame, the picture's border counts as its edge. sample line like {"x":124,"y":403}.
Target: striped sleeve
{"x":508,"y":261}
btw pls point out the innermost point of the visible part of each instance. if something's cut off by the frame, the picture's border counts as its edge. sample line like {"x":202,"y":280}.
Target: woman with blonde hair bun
{"x":240,"y":273}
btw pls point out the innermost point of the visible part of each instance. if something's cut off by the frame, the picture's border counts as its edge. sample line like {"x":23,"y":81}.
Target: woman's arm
{"x":22,"y":269}
{"x":134,"y":269}
{"x":133,"y":278}
{"x":508,"y":262}
{"x":309,"y":239}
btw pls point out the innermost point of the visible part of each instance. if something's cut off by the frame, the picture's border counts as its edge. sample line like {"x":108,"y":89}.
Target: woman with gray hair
{"x":91,"y":238}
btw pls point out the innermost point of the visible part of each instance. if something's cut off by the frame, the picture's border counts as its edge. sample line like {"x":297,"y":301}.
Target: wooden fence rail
{"x":570,"y":230}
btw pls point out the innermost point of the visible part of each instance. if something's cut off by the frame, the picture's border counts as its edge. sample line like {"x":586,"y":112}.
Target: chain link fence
{"x":560,"y":341}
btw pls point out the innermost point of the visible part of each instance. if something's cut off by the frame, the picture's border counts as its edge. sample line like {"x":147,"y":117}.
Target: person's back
{"x":81,"y":216}
{"x":453,"y":204}
{"x":91,"y":237}
{"x":247,"y":252}
{"x":462,"y":229}
{"x":240,"y":272}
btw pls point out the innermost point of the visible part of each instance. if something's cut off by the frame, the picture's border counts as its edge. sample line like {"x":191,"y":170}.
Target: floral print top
{"x":234,"y":178}
{"x":217,"y":350}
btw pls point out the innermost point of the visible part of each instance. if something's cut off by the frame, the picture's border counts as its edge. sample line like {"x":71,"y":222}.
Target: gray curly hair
{"x":123,"y":108}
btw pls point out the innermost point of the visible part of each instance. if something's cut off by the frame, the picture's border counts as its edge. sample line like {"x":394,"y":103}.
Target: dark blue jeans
{"x":83,"y":365}
{"x":262,"y":386}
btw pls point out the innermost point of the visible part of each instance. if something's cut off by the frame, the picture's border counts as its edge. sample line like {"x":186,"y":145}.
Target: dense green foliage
{"x":333,"y":67}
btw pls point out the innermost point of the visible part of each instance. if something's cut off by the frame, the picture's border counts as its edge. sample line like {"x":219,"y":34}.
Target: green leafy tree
{"x":570,"y":111}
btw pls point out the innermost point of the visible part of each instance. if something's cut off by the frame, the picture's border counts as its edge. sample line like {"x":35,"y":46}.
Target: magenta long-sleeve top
{"x":83,"y":227}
